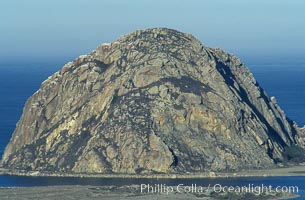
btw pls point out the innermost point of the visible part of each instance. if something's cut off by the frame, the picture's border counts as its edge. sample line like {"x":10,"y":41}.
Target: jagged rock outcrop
{"x":155,"y":100}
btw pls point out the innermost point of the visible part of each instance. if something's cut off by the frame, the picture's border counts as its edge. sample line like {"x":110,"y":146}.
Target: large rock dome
{"x":156,"y":100}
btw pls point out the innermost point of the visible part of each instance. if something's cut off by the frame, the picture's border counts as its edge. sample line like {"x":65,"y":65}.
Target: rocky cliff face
{"x":155,"y":100}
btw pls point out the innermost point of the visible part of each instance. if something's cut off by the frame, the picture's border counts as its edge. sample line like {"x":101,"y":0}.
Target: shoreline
{"x":272,"y":172}
{"x":83,"y":192}
{"x":133,"y":192}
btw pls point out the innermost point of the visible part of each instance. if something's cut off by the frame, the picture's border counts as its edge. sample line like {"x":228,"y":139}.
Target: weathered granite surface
{"x":156,"y":100}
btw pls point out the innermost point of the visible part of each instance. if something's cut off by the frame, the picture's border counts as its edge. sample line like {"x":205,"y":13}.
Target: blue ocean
{"x":18,"y":82}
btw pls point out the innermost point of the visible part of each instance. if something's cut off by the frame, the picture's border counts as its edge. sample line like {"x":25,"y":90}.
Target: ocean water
{"x":19,"y":82}
{"x":297,"y":184}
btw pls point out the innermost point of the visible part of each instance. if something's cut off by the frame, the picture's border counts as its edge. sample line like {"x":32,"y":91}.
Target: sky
{"x":257,"y":31}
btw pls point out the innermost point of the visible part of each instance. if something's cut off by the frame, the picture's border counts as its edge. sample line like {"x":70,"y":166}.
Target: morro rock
{"x":156,"y":100}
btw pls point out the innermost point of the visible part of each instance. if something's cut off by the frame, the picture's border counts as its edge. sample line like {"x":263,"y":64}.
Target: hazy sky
{"x":255,"y":30}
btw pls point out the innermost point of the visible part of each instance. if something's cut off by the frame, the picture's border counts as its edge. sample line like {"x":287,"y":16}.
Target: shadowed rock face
{"x":155,"y":100}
